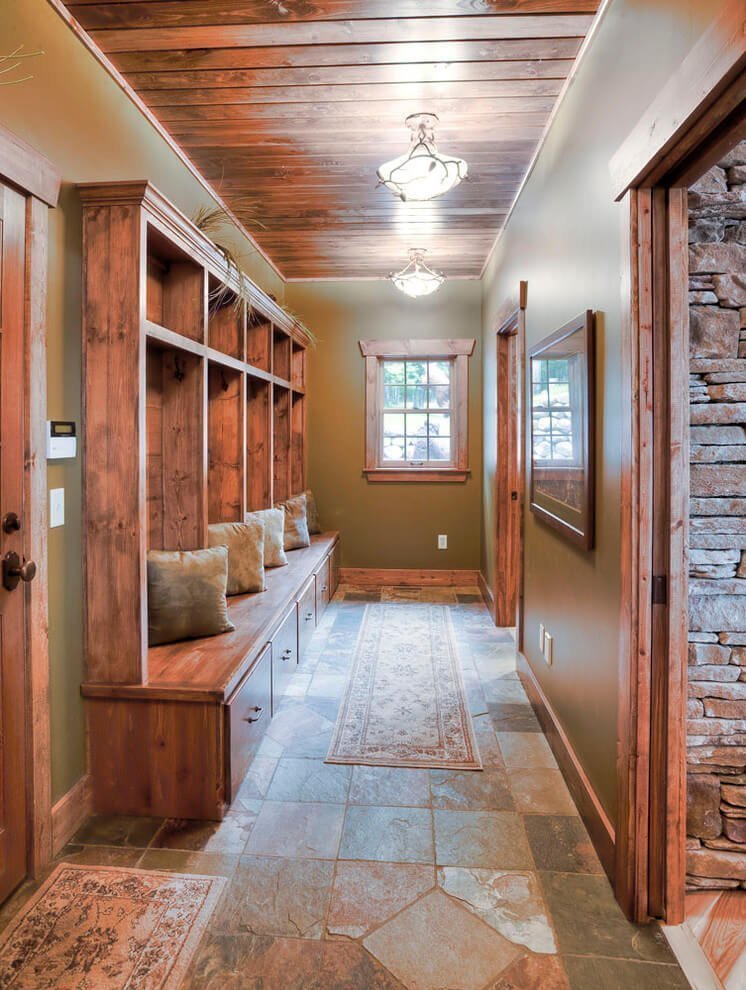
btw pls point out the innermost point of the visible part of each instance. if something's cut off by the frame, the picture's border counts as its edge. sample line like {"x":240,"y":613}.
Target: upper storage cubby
{"x":258,"y":340}
{"x":225,"y":444}
{"x":175,"y":292}
{"x":225,"y":320}
{"x":174,"y":429}
{"x":281,"y":345}
{"x":298,"y":366}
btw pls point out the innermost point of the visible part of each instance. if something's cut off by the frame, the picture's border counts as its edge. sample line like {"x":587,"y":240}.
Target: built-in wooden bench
{"x":180,"y":743}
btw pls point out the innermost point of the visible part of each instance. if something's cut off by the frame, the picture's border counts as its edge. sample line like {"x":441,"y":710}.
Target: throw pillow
{"x":245,"y":542}
{"x":274,"y":535}
{"x":186,"y":594}
{"x":312,"y":513}
{"x":296,"y":524}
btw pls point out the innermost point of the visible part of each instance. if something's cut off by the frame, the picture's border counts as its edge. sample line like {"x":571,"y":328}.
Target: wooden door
{"x":509,"y":485}
{"x":13,"y":825}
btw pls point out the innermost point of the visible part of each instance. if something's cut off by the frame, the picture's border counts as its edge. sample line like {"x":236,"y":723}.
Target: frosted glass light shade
{"x":423,"y":173}
{"x":417,"y":279}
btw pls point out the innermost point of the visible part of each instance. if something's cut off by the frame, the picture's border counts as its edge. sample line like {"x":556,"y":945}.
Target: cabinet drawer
{"x":247,"y":716}
{"x":284,"y":655}
{"x":306,"y":618}
{"x":322,"y":589}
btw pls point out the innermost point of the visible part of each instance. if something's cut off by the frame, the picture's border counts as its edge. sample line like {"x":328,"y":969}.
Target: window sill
{"x":416,"y":474}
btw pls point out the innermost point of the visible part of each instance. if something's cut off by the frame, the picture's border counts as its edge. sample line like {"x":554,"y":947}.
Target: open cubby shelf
{"x":223,"y":432}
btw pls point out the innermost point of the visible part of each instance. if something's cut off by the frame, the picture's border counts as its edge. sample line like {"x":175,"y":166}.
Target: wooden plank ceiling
{"x":289,"y":106}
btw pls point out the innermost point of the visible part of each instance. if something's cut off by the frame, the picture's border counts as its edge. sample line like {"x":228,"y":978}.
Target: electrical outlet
{"x":548,"y":648}
{"x":542,"y":635}
{"x":443,"y":541}
{"x":56,"y":507}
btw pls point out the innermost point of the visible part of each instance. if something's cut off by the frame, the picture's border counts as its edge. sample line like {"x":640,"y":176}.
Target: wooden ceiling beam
{"x":363,"y":32}
{"x":481,"y":110}
{"x":167,"y":100}
{"x":200,"y":13}
{"x":533,"y":51}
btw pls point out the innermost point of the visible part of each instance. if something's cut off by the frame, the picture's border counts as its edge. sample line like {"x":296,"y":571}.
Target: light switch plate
{"x":443,"y":541}
{"x":56,"y":507}
{"x":548,"y":648}
{"x":542,"y":635}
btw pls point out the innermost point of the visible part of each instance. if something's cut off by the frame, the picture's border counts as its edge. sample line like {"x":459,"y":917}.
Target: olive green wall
{"x":74,"y":113}
{"x":565,"y":238}
{"x":385,"y":525}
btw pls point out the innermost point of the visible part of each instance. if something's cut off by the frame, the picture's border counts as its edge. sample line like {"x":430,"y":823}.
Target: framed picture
{"x":562,"y":430}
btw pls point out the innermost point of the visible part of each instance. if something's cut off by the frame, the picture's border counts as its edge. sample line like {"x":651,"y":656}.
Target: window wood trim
{"x":375,"y":351}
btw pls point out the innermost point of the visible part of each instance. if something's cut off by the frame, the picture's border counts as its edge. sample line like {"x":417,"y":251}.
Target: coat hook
{"x":179,"y":370}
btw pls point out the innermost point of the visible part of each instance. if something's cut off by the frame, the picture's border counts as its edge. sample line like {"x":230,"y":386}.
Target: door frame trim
{"x":39,"y":181}
{"x":512,"y":323}
{"x":685,"y":130}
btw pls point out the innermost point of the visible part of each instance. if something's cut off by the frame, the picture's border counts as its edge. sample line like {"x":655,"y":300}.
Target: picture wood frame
{"x":562,"y":414}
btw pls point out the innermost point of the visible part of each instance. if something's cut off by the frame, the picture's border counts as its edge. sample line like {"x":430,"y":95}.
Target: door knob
{"x":15,"y":571}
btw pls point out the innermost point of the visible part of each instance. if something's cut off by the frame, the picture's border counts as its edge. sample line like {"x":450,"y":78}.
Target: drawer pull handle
{"x":259,"y":712}
{"x":309,"y":616}
{"x":287,"y":654}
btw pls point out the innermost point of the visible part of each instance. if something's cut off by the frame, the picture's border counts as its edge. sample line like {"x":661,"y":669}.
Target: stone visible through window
{"x":417,"y":419}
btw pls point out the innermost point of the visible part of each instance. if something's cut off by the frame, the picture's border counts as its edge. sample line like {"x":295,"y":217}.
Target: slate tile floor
{"x":375,"y":878}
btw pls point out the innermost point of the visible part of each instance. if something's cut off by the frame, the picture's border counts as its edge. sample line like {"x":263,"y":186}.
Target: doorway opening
{"x":653,"y":175}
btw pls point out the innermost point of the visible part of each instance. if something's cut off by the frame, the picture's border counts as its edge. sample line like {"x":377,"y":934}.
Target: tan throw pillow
{"x":274,"y":535}
{"x":245,"y":542}
{"x":296,"y":524}
{"x":186,"y":594}
{"x":312,"y":513}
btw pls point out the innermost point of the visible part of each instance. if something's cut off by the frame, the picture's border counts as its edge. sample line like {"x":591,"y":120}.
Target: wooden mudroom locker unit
{"x":194,"y":413}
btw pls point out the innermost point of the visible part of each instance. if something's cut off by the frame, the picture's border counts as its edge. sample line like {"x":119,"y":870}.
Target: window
{"x":416,"y":399}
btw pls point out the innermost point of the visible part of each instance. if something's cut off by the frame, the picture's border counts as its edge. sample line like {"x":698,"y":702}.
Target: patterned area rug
{"x":405,"y":703}
{"x":107,"y":928}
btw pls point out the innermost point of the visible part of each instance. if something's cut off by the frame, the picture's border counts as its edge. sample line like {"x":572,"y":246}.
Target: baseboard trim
{"x":595,"y":818}
{"x":69,"y":813}
{"x":369,"y":577}
{"x":489,"y":598}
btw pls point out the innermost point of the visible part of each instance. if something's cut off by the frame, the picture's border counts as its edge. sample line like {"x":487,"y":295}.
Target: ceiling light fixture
{"x":423,"y":173}
{"x":417,"y":279}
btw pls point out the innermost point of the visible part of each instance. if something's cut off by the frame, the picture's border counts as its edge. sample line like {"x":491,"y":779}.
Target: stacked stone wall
{"x":716,"y":726}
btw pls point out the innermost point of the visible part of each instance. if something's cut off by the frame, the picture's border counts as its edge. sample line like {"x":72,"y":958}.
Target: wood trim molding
{"x":374,"y":353}
{"x":69,"y":813}
{"x":417,"y":348}
{"x":374,"y":577}
{"x":416,"y":474}
{"x":487,"y":596}
{"x":668,"y":125}
{"x":39,"y":789}
{"x":591,"y":811}
{"x":25,"y":168}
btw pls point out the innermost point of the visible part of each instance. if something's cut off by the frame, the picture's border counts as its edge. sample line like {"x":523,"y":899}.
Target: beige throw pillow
{"x":245,"y":542}
{"x":274,"y":535}
{"x":186,"y":594}
{"x":296,"y":524}
{"x":312,"y":513}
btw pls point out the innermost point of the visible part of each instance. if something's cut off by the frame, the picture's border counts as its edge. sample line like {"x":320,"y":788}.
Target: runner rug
{"x":107,"y":928}
{"x":405,"y":704}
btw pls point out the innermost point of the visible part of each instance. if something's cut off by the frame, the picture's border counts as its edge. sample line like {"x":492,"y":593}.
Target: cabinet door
{"x":322,"y":589}
{"x":247,"y":716}
{"x":284,"y":655}
{"x":306,"y":618}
